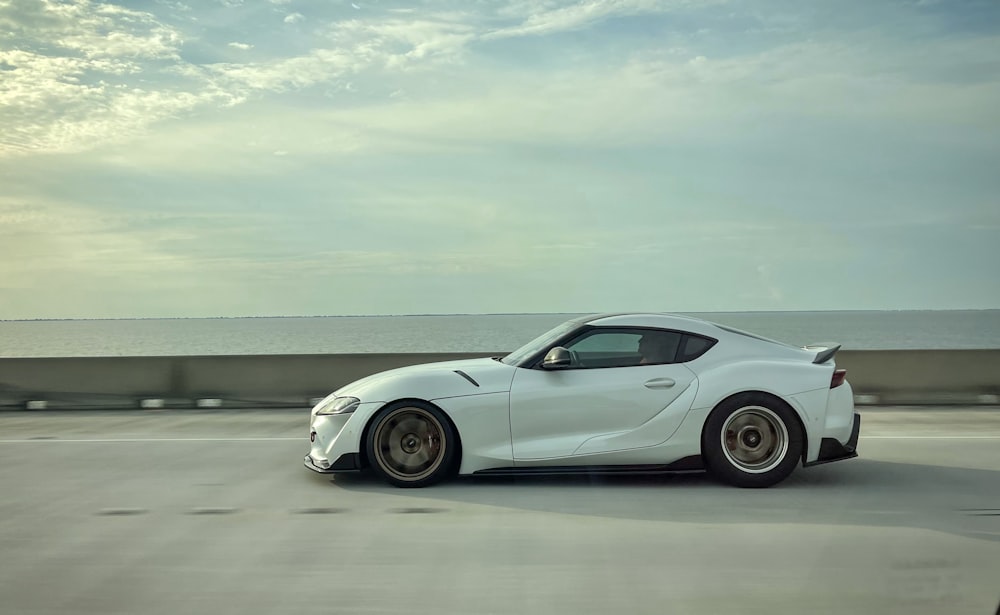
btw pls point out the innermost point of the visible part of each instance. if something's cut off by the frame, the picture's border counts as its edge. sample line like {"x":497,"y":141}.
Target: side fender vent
{"x":466,"y":376}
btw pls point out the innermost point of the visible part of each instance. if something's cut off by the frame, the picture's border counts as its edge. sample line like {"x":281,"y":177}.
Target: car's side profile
{"x":606,"y":393}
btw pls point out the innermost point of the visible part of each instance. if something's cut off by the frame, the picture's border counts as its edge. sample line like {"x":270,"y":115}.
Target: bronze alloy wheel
{"x":752,"y":440}
{"x":755,"y":439}
{"x":410,"y":444}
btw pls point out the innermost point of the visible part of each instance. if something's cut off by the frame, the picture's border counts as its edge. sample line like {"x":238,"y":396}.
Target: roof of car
{"x":652,"y":319}
{"x":689,"y":324}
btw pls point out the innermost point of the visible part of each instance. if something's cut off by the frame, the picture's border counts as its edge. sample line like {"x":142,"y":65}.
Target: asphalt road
{"x":212,"y":512}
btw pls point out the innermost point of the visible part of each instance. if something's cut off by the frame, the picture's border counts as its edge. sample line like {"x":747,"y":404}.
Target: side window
{"x":623,"y":348}
{"x":693,"y":347}
{"x":611,"y":342}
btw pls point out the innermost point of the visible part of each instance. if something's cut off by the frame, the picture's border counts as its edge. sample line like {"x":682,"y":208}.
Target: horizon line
{"x":404,"y":315}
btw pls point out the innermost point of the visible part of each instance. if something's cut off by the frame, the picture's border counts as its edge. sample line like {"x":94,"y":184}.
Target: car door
{"x":605,"y":393}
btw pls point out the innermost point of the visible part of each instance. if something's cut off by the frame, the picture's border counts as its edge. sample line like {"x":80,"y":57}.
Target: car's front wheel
{"x":752,"y":440}
{"x":411,"y":444}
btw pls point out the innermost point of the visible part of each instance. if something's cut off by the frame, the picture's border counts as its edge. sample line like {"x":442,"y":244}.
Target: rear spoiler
{"x":825,"y":353}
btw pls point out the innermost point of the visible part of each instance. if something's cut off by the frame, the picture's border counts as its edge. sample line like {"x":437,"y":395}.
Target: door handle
{"x":660,"y":383}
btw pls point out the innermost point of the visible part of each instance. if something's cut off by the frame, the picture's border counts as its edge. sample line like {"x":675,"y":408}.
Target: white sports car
{"x":612,"y":393}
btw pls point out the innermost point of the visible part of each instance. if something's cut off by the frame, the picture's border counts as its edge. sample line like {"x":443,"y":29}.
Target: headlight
{"x":339,"y":405}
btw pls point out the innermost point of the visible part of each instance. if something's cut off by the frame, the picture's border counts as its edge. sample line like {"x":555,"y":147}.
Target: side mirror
{"x":557,"y":358}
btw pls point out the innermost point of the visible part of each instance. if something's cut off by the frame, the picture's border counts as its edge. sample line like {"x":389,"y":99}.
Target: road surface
{"x":212,"y":512}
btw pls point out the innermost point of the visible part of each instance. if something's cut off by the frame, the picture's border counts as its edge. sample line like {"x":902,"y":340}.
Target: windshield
{"x":540,"y":342}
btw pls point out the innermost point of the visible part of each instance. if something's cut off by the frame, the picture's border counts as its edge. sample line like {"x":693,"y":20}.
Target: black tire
{"x":411,"y":444}
{"x":752,"y":440}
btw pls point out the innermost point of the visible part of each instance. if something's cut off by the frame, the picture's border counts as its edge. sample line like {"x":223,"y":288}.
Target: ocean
{"x":856,"y":330}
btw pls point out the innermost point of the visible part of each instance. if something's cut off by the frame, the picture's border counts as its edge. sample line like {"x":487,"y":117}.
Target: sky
{"x":208,"y":158}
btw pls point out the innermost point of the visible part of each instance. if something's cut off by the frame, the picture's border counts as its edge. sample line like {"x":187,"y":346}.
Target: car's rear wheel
{"x":411,"y":444}
{"x":752,"y":440}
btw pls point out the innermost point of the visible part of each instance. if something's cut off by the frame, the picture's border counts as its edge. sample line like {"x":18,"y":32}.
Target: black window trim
{"x":535,"y":361}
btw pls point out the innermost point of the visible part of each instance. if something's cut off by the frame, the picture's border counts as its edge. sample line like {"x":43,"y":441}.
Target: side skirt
{"x":681,"y":466}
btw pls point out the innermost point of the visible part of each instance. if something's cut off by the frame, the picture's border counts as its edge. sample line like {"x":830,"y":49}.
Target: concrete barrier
{"x":248,"y":380}
{"x":923,"y":376}
{"x":878,"y":377}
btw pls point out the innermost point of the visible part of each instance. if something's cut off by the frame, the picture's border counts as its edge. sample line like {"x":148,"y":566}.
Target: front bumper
{"x":348,"y":462}
{"x":832,"y":450}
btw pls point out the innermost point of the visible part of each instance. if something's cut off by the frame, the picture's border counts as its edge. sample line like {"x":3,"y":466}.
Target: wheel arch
{"x":771,"y":396}
{"x":363,"y":456}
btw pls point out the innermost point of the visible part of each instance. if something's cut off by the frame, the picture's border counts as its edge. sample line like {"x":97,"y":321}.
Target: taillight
{"x":838,"y":378}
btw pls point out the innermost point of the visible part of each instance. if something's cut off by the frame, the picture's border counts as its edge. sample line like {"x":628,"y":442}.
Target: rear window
{"x":693,"y":347}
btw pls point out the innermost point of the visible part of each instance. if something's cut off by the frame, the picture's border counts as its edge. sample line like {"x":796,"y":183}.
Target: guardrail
{"x":894,"y":377}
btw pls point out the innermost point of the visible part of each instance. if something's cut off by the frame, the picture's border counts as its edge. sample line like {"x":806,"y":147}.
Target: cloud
{"x":400,"y":44}
{"x":752,"y":105}
{"x":96,"y":95}
{"x":86,"y":95}
{"x":121,"y":71}
{"x":544,"y":18}
{"x":294,"y":18}
{"x":175,"y":5}
{"x":356,"y":47}
{"x":298,"y":72}
{"x":69,"y":104}
{"x":452,"y":143}
{"x":93,"y":30}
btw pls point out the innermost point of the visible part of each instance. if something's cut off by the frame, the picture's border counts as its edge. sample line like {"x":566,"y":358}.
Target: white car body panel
{"x":555,"y":413}
{"x":472,"y":408}
{"x":339,"y":434}
{"x":655,"y":432}
{"x":484,"y":426}
{"x":513,"y":417}
{"x":838,"y":420}
{"x":432,"y":381}
{"x":803,"y":385}
{"x":685,"y":439}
